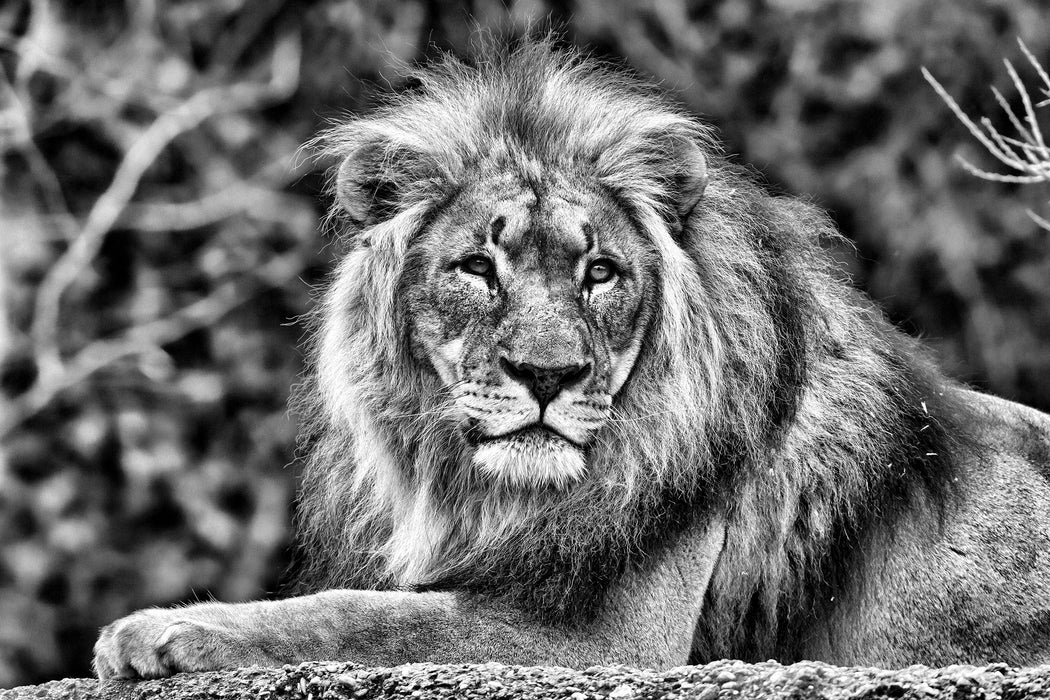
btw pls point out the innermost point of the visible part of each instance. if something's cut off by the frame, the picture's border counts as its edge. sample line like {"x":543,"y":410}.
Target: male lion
{"x":583,"y":393}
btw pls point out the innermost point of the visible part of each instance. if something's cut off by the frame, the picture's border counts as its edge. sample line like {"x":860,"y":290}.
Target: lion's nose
{"x":545,"y":382}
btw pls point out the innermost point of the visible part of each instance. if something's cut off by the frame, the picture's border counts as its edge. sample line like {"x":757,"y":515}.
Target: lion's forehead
{"x":553,"y":226}
{"x":553,"y":218}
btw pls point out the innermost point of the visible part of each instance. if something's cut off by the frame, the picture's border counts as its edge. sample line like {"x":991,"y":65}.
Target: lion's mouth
{"x":533,"y":433}
{"x":530,"y":457}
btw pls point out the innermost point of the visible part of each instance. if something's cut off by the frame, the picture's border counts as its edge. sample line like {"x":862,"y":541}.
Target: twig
{"x":137,"y":340}
{"x":16,"y":124}
{"x":1043,"y":223}
{"x":1029,"y":111}
{"x":259,"y":202}
{"x":1028,"y":155}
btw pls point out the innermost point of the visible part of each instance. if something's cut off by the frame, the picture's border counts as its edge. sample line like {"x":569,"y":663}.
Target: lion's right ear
{"x":690,"y":180}
{"x":379,"y":178}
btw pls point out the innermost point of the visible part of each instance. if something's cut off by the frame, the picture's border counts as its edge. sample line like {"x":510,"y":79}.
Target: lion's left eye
{"x":600,"y":271}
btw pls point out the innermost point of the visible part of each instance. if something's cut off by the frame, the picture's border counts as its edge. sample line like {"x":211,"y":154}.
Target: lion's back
{"x":1013,"y":430}
{"x":970,"y":581}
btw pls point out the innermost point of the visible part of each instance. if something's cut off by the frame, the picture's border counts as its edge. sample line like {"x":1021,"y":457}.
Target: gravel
{"x":721,"y":679}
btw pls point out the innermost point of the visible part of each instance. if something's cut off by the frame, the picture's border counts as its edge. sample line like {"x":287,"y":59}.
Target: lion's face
{"x":529,"y":303}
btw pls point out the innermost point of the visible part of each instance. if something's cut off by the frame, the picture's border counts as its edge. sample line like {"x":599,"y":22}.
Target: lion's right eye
{"x":477,"y":265}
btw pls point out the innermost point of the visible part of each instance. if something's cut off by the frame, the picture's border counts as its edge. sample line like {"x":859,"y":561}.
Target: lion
{"x":582,"y":392}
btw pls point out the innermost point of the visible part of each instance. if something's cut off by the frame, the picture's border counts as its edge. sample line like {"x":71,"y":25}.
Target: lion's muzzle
{"x":545,"y":382}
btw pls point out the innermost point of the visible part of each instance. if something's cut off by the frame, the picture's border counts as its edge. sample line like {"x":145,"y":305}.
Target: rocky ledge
{"x":722,"y":679}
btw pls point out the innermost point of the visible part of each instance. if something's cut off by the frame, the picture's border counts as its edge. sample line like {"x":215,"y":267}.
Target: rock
{"x":330,"y":681}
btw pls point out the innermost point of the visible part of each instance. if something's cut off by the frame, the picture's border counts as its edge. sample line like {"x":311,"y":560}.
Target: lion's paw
{"x":156,"y":643}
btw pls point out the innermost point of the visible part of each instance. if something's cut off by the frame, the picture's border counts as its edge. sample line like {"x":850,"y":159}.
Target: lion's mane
{"x":766,"y":387}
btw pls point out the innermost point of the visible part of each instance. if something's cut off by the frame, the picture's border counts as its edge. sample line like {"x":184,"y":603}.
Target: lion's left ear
{"x":690,"y":178}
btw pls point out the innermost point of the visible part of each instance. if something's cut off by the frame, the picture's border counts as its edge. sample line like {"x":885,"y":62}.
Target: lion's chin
{"x":530,"y":459}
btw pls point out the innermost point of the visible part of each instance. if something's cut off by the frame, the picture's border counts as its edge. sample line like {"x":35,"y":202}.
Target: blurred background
{"x":159,"y":237}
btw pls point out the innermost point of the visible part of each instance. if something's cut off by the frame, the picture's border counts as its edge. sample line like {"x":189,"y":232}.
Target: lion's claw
{"x":157,"y":643}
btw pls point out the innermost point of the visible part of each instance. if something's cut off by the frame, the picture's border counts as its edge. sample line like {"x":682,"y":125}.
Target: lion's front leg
{"x":379,"y":628}
{"x":369,"y":627}
{"x":648,"y":620}
{"x":159,"y":642}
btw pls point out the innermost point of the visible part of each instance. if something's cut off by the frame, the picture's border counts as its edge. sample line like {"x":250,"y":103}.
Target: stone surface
{"x":722,"y":679}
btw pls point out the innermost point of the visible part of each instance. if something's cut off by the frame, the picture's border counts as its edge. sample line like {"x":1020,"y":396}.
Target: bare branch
{"x":259,"y":202}
{"x":150,"y":336}
{"x":16,"y":124}
{"x":999,"y":177}
{"x":143,"y":152}
{"x":1029,"y":110}
{"x":1027,"y":153}
{"x":1009,"y":157}
{"x":967,"y":122}
{"x":1011,"y":115}
{"x":1042,"y":223}
{"x":1036,"y":65}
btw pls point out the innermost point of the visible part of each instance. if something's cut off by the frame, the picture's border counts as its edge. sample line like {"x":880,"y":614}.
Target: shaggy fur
{"x":765,"y":386}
